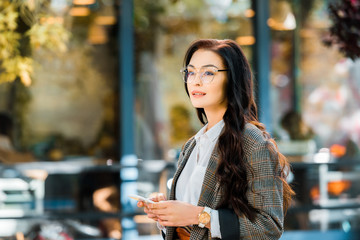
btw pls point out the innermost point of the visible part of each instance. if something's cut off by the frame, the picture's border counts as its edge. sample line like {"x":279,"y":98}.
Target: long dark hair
{"x":241,"y":109}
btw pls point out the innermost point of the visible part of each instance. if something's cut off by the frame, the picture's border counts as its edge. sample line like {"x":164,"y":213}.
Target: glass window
{"x":282,"y":24}
{"x":67,"y":107}
{"x":59,"y":101}
{"x":316,"y":108}
{"x":312,"y":83}
{"x":330,"y":92}
{"x":165,"y":118}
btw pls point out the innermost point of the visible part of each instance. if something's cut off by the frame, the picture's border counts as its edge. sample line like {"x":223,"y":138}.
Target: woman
{"x":230,"y":182}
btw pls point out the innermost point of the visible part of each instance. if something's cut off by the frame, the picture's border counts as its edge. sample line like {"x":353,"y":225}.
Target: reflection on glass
{"x":282,"y":17}
{"x":325,"y":115}
{"x":163,"y":32}
{"x":69,"y":107}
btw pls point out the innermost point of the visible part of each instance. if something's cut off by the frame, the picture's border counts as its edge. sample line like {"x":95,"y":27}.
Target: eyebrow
{"x":207,"y":65}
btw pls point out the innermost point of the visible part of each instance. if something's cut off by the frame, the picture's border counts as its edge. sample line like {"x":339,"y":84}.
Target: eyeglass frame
{"x":184,"y":71}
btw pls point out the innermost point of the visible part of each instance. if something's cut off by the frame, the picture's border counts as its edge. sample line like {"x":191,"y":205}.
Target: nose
{"x":197,"y":80}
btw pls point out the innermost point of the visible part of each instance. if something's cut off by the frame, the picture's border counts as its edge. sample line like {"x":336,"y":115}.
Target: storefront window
{"x":165,"y":118}
{"x":330,"y":92}
{"x":310,"y":79}
{"x":315,"y":99}
{"x":282,"y":24}
{"x":59,"y":119}
{"x":67,"y":106}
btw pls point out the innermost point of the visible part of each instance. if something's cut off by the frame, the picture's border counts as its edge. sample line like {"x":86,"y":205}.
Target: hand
{"x":174,"y":213}
{"x":156,"y":197}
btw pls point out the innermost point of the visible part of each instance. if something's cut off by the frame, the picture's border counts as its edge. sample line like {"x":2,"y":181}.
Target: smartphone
{"x":140,"y":198}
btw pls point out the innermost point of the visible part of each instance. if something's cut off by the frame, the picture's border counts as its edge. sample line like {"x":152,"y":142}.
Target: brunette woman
{"x":231,"y":179}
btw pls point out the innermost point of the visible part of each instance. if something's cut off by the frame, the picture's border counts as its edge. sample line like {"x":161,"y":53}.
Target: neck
{"x":214,"y":117}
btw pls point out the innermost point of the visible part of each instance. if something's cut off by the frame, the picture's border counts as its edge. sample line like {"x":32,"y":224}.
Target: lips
{"x":197,"y":93}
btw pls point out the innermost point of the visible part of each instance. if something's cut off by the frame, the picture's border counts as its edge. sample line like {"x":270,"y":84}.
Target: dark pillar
{"x":128,"y":159}
{"x":261,"y":62}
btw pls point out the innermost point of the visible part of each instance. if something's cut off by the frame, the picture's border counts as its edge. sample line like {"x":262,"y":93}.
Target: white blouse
{"x":189,"y":184}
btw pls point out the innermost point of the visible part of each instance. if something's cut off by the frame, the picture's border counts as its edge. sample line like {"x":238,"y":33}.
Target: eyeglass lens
{"x":206,"y":74}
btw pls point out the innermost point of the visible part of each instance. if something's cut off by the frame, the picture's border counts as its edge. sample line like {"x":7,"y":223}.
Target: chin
{"x":197,"y":104}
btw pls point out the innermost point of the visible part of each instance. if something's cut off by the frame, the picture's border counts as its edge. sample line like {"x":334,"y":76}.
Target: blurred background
{"x":93,"y":108}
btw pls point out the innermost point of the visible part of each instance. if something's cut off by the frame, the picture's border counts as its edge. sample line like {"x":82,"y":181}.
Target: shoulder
{"x":254,"y":139}
{"x":251,"y":134}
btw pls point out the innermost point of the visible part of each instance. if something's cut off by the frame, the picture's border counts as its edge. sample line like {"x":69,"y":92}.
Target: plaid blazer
{"x":265,"y":190}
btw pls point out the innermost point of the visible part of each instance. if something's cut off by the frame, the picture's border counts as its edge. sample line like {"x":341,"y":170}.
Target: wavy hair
{"x":241,"y":109}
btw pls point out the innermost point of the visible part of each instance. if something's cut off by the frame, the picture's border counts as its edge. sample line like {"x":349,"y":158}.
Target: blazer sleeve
{"x":265,"y":194}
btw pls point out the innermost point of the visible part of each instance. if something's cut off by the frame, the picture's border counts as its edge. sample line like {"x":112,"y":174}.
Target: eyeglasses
{"x":207,"y":74}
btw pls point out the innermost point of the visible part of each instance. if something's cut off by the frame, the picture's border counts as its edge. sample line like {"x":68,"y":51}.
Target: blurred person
{"x":99,"y":191}
{"x":8,"y":154}
{"x":231,"y":179}
{"x":294,"y":125}
{"x":106,"y":199}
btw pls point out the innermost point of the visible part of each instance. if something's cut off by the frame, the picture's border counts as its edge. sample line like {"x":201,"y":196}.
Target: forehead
{"x":205,"y":57}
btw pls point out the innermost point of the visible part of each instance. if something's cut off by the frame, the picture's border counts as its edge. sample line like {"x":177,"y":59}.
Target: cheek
{"x":219,"y":95}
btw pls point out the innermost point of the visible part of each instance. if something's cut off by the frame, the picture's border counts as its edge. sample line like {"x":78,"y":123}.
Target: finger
{"x":153,"y":196}
{"x":150,"y":210}
{"x":153,"y":217}
{"x":152,"y":206}
{"x":165,"y":223}
{"x":163,"y":217}
{"x":159,"y":212}
{"x":140,"y":204}
{"x":156,"y":212}
{"x":156,"y":197}
{"x":158,"y":205}
{"x":161,"y":197}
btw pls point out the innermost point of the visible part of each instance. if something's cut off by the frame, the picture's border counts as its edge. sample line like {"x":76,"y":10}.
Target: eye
{"x":190,"y":72}
{"x":208,"y":73}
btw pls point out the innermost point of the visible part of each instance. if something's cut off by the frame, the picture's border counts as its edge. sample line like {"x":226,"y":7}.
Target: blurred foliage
{"x":165,"y":15}
{"x":181,"y":129}
{"x":345,"y":29}
{"x":26,"y":25}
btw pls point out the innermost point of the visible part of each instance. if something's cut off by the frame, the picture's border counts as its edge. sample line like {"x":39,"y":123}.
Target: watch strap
{"x":208,"y":211}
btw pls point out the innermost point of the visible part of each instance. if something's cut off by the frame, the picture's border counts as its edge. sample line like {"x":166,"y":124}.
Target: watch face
{"x":204,"y":218}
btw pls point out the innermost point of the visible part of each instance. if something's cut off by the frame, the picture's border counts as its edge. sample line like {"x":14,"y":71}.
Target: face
{"x":210,"y":96}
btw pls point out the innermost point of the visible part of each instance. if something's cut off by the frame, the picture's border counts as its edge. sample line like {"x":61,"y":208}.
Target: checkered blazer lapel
{"x":209,"y":195}
{"x":184,"y":156}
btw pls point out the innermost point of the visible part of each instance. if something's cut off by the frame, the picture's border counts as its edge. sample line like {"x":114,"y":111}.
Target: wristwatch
{"x":204,"y":217}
